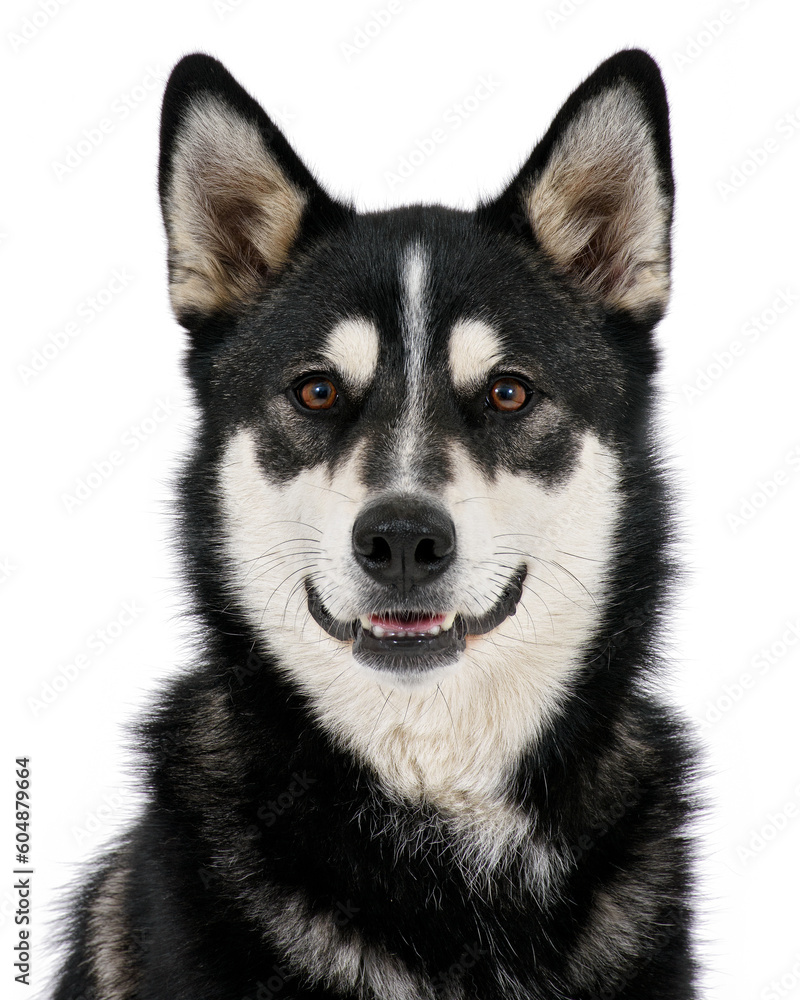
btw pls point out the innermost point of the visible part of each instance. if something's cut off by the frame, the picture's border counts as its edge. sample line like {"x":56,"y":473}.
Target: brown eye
{"x":316,"y":394}
{"x":507,"y":395}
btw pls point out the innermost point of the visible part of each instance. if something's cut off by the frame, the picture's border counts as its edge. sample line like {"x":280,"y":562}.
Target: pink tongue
{"x":406,"y":625}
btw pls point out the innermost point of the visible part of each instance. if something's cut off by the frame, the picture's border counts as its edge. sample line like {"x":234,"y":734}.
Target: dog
{"x":428,"y":539}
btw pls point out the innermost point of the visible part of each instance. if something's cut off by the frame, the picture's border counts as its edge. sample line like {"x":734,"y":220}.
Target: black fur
{"x":252,"y":803}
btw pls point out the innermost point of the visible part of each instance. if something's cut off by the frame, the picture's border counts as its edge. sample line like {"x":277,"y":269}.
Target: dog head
{"x":420,"y":427}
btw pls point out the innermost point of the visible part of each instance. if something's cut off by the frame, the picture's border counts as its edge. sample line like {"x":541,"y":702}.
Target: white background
{"x":84,"y":227}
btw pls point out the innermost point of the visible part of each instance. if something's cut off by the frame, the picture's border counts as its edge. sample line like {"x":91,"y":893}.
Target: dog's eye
{"x":316,"y":393}
{"x":508,"y":395}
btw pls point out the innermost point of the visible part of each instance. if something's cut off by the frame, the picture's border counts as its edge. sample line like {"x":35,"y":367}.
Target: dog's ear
{"x":596,"y":194}
{"x":235,"y":196}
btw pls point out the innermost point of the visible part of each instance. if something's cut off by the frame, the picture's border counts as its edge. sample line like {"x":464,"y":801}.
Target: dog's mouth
{"x":411,"y":641}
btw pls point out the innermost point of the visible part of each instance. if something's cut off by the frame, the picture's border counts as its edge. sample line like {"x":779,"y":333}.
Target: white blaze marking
{"x":416,"y":346}
{"x":414,"y":317}
{"x":352,"y":347}
{"x":475,"y":348}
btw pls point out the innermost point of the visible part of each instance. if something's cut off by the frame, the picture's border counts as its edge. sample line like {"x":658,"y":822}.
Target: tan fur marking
{"x":231,"y":212}
{"x":623,"y":917}
{"x":317,"y":944}
{"x":597,"y":208}
{"x":111,"y":942}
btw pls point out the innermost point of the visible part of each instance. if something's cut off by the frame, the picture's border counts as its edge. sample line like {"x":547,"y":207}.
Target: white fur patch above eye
{"x":352,"y":348}
{"x":475,"y":348}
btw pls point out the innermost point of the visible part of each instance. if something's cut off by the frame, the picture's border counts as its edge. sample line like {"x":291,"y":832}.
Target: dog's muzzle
{"x":406,"y":545}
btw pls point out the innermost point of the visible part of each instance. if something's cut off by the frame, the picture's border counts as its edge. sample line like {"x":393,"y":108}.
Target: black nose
{"x":403,"y":543}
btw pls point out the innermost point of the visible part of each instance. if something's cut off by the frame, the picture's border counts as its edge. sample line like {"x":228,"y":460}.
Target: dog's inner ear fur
{"x":231,"y":212}
{"x":598,"y":206}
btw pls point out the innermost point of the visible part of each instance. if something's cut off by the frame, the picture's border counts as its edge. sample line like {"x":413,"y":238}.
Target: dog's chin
{"x":412,"y":645}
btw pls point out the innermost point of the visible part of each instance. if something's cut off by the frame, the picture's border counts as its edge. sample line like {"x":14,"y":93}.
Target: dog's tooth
{"x":366,"y":624}
{"x":378,"y":632}
{"x":435,"y":630}
{"x":448,"y":621}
